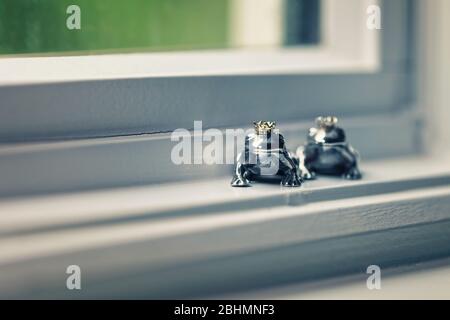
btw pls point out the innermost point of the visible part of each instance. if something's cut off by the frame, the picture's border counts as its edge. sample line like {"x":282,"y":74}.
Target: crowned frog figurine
{"x":265,"y":155}
{"x":327,"y":152}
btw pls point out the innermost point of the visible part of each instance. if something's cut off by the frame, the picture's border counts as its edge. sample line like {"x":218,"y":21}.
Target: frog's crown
{"x":326,"y":122}
{"x":263,"y":127}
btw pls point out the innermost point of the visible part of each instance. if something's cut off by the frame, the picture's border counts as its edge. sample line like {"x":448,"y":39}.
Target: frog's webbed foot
{"x":353,"y":174}
{"x":291,"y":179}
{"x":240,"y":182}
{"x":240,"y":178}
{"x":291,"y":176}
{"x":308,"y":174}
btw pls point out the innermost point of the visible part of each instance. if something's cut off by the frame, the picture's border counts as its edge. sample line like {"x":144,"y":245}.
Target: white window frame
{"x":347,"y":46}
{"x":47,"y":98}
{"x":131,"y":117}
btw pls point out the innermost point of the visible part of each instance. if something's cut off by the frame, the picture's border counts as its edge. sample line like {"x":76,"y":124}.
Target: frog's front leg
{"x":241,"y":174}
{"x":353,"y":173}
{"x":306,"y":173}
{"x":289,"y":171}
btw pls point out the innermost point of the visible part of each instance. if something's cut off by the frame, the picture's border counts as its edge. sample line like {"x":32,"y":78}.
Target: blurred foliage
{"x":39,"y":26}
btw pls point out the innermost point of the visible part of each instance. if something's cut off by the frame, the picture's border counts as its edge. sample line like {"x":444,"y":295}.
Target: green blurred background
{"x":39,"y":26}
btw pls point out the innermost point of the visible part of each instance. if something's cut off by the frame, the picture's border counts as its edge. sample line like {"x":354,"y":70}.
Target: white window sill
{"x":154,"y":228}
{"x":40,"y":70}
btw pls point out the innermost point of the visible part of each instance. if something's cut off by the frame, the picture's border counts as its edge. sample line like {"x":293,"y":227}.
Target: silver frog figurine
{"x":327,"y":152}
{"x":265,"y":155}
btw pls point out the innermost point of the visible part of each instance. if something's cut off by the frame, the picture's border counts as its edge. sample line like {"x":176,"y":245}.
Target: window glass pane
{"x":302,"y":22}
{"x":104,"y":26}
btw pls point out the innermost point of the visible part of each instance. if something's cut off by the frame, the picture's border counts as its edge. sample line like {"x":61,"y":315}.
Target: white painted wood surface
{"x":422,"y":281}
{"x":87,"y":164}
{"x":434,"y":68}
{"x":185,"y":230}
